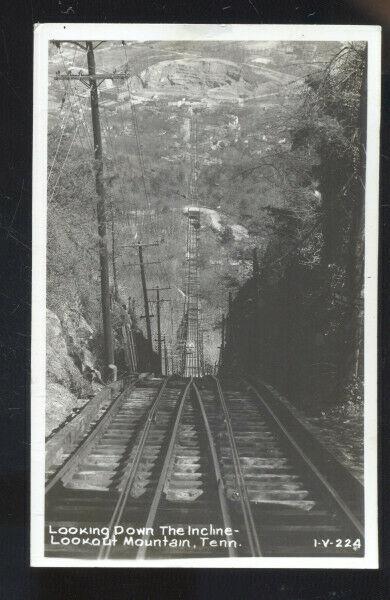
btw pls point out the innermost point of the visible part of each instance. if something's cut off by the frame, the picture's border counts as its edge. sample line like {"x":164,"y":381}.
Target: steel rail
{"x":330,"y":491}
{"x":164,"y":471}
{"x":130,"y":475}
{"x":250,"y":526}
{"x":227,"y":522}
{"x":82,"y":449}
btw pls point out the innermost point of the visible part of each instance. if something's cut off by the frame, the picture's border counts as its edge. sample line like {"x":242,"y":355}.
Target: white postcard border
{"x":159,"y":32}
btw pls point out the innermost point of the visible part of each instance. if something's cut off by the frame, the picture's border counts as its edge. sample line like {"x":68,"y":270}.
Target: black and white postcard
{"x":204,"y":322}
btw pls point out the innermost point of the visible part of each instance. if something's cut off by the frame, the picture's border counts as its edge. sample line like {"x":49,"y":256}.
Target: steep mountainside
{"x":209,"y":111}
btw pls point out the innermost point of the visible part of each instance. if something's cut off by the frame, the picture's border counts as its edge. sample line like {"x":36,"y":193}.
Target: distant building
{"x":261,"y":61}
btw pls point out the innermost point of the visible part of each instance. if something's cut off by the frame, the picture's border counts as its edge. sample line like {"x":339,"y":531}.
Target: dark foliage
{"x":298,"y":320}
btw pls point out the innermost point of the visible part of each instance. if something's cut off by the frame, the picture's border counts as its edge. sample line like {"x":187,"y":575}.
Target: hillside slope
{"x":215,"y":108}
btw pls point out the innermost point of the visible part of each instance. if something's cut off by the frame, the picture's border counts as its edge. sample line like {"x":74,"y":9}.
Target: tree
{"x":309,"y":315}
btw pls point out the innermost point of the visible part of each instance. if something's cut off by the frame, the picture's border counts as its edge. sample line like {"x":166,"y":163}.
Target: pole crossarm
{"x":152,"y":262}
{"x":138,"y":244}
{"x":87,"y":77}
{"x":91,"y":80}
{"x":158,"y":301}
{"x":59,"y":42}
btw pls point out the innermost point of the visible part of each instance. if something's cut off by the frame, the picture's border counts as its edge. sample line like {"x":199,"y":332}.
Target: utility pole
{"x":140,"y":246}
{"x":165,"y":357}
{"x":93,"y":80}
{"x":146,"y":301}
{"x":158,"y":302}
{"x":255,"y":263}
{"x":229,"y":326}
{"x":159,"y":328}
{"x":130,"y":305}
{"x":101,"y":210}
{"x":222,"y":346}
{"x":258,"y":338}
{"x":113,"y":251}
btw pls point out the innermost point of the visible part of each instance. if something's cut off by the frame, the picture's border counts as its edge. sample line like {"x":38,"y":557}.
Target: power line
{"x":91,"y":80}
{"x":62,"y":127}
{"x":62,"y":165}
{"x":115,"y":158}
{"x":153,"y":221}
{"x":86,"y":129}
{"x":127,"y":153}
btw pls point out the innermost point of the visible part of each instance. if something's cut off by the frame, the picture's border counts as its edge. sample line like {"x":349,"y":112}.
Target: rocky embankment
{"x":72,"y":377}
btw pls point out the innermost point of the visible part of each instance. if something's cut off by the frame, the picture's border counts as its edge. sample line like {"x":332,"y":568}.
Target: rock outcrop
{"x":68,"y":363}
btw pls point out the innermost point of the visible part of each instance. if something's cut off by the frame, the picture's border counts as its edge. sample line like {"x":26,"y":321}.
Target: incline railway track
{"x":218,"y":463}
{"x":293,"y":503}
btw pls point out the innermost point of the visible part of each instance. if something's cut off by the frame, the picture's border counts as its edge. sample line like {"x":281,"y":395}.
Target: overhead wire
{"x":115,"y":154}
{"x":59,"y":89}
{"x":62,"y":129}
{"x":109,"y":137}
{"x":80,"y":118}
{"x":139,"y":150}
{"x":138,"y":139}
{"x":62,"y":166}
{"x":77,"y":112}
{"x":152,"y":212}
{"x":110,"y":140}
{"x":79,"y":122}
{"x":77,"y":132}
{"x":128,"y":154}
{"x":87,"y":131}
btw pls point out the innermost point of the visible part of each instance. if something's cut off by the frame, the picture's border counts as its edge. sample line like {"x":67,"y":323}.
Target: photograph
{"x":204,"y":296}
